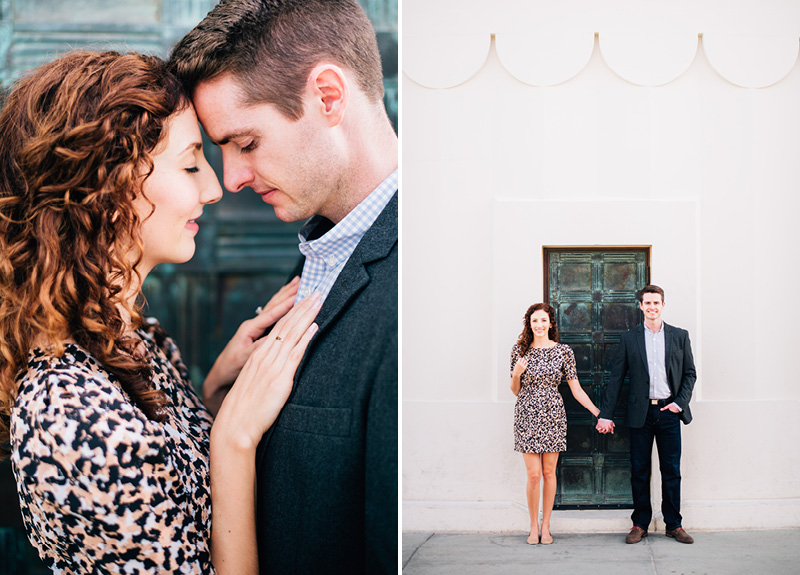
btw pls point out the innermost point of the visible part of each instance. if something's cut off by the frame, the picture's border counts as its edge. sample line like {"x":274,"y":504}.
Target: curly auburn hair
{"x":76,"y":140}
{"x":526,"y":337}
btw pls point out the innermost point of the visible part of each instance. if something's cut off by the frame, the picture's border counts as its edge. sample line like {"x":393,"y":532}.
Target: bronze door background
{"x":594,"y":293}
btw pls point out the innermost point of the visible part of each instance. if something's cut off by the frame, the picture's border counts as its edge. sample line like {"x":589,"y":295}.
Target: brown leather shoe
{"x":635,"y":535}
{"x":680,"y":535}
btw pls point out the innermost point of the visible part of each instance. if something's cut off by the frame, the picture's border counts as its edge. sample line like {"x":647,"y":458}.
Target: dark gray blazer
{"x":631,"y":360}
{"x":327,"y":470}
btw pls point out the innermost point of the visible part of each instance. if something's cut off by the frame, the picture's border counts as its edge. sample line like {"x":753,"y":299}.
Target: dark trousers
{"x":665,"y":428}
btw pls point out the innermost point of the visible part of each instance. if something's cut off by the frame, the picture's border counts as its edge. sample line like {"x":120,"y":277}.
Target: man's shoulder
{"x":674,"y":330}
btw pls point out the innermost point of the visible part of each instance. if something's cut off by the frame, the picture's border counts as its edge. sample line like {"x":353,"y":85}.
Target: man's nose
{"x":235,"y":174}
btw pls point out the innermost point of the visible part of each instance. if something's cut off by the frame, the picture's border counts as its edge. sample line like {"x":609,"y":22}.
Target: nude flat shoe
{"x":533,"y":539}
{"x":547,"y":541}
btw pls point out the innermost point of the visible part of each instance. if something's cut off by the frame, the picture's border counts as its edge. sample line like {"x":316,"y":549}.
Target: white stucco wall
{"x":681,"y":155}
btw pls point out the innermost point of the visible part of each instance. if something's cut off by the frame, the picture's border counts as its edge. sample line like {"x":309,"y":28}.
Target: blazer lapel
{"x":642,"y":349}
{"x":376,"y":244}
{"x":669,"y":345}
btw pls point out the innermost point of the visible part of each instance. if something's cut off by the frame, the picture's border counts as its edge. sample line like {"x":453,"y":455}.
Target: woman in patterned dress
{"x":538,"y":362}
{"x":102,"y":177}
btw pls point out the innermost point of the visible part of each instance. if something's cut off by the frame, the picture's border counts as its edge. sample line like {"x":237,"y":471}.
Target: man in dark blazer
{"x":292,"y":92}
{"x":657,"y":359}
{"x":327,"y":470}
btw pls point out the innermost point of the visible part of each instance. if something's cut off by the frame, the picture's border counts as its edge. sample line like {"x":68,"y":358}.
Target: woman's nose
{"x":212,"y":191}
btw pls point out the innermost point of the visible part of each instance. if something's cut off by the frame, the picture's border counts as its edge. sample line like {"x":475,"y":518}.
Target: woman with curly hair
{"x":102,"y":177}
{"x":538,"y":362}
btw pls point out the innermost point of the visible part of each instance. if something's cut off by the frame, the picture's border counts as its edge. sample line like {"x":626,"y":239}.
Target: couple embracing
{"x":656,"y":358}
{"x":288,"y":464}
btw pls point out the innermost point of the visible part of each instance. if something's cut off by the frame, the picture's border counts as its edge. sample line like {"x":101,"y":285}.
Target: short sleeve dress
{"x":540,"y":422}
{"x":103,"y":489}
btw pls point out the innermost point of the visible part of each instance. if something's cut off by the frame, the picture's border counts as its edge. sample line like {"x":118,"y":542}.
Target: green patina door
{"x":594,"y":293}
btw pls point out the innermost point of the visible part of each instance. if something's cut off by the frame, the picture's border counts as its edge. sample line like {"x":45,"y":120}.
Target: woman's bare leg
{"x":533,"y":466}
{"x":549,"y":462}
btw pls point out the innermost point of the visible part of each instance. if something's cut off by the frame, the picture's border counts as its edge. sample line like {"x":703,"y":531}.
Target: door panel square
{"x":575,"y":317}
{"x":575,"y":277}
{"x":619,"y":276}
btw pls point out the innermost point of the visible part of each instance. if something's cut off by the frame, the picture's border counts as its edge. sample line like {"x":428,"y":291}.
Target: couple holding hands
{"x":657,"y":359}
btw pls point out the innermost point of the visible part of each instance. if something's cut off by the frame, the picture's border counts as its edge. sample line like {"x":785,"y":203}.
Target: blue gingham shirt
{"x":327,"y":255}
{"x":655,"y":347}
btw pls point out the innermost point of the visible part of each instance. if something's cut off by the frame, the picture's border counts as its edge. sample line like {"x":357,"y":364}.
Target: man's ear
{"x":329,"y":92}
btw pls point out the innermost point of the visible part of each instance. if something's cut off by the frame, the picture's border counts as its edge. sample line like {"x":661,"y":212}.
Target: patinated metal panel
{"x":594,"y":293}
{"x":619,"y":317}
{"x":575,"y":276}
{"x":90,"y":11}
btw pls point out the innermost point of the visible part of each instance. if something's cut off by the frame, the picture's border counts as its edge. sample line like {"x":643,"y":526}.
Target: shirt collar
{"x":353,"y":226}
{"x":660,"y":330}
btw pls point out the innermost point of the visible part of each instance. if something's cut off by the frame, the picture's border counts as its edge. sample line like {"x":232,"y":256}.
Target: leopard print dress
{"x":103,"y":489}
{"x":540,"y":422}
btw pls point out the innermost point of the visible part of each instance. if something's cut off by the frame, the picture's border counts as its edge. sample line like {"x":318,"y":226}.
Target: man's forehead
{"x":219,"y":98}
{"x":225,"y":84}
{"x":221,"y":109}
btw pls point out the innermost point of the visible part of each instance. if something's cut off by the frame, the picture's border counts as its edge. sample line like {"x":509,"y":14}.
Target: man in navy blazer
{"x":292,"y":92}
{"x":657,"y":359}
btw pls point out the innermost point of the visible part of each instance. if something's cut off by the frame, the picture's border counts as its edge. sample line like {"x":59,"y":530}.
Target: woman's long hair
{"x":526,"y":337}
{"x":76,"y":138}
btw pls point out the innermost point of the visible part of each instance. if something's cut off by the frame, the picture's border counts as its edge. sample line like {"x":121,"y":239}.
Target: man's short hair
{"x":650,"y":289}
{"x":271,"y":46}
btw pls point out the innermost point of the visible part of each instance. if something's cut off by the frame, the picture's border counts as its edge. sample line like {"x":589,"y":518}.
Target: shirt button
{"x":331,"y":261}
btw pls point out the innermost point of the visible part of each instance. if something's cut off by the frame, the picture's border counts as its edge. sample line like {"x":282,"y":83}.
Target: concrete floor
{"x":713,"y":553}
